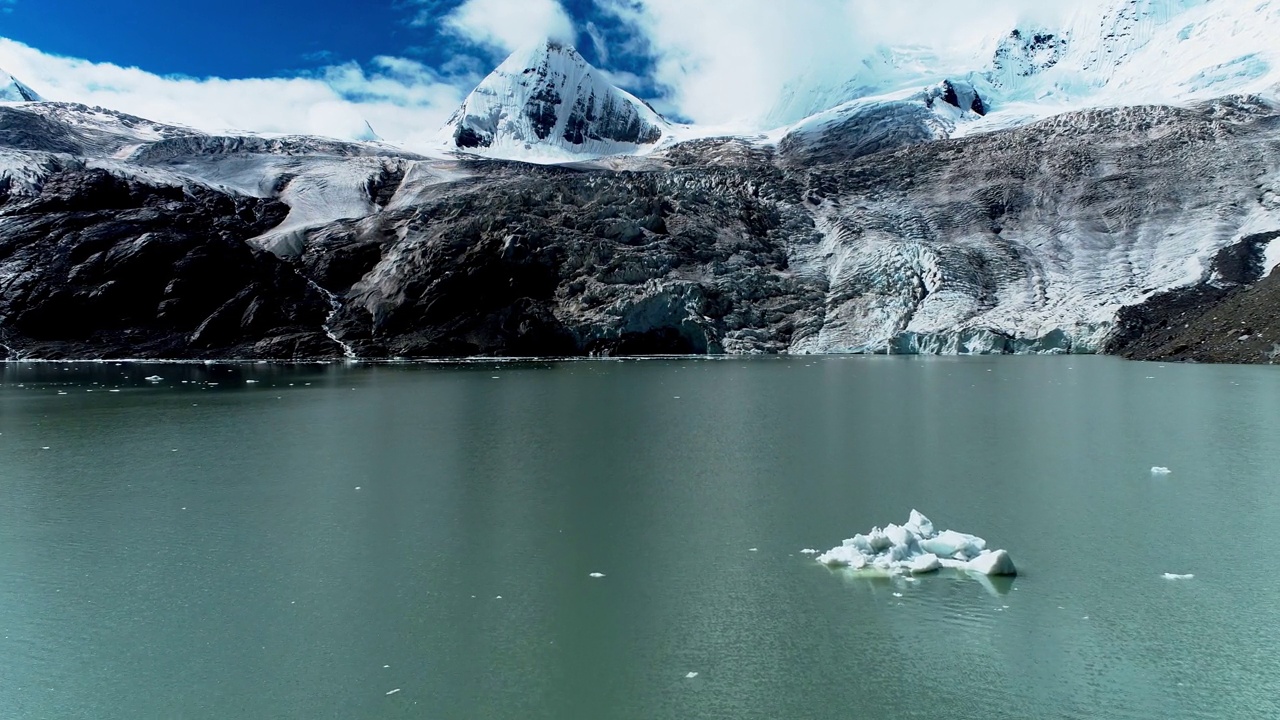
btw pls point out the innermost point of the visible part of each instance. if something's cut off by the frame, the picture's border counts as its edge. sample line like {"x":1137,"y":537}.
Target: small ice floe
{"x":917,"y":548}
{"x":154,"y":378}
{"x":1175,"y":576}
{"x":1157,"y":470}
{"x":596,"y":575}
{"x":393,"y":692}
{"x":690,"y":675}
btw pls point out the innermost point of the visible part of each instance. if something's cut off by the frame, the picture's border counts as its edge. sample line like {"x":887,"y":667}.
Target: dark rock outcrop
{"x":556,"y":262}
{"x":1231,"y":317}
{"x":103,"y":267}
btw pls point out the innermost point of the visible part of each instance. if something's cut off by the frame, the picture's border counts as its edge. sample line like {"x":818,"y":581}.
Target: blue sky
{"x":255,"y":39}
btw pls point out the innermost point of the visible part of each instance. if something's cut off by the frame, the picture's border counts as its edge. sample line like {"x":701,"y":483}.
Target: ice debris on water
{"x":1175,"y":576}
{"x":1157,"y":470}
{"x":917,"y":548}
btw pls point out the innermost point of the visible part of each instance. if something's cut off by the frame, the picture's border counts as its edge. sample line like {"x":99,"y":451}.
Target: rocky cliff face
{"x":98,"y":266}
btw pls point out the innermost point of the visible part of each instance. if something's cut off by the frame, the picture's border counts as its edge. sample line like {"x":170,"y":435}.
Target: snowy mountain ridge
{"x":545,"y":101}
{"x":1105,"y":53}
{"x":547,"y":104}
{"x":11,"y":90}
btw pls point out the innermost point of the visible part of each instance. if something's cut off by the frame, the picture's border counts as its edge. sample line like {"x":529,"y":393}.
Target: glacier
{"x":917,"y":548}
{"x":1019,"y":192}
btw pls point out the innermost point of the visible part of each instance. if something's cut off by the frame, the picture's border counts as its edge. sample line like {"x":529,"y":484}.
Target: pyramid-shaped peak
{"x":11,"y":90}
{"x":542,"y":54}
{"x":545,"y":101}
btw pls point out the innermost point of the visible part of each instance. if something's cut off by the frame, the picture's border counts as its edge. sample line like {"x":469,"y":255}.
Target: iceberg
{"x":917,"y":548}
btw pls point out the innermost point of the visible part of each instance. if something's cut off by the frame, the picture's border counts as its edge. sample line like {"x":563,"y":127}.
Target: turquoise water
{"x":266,"y":549}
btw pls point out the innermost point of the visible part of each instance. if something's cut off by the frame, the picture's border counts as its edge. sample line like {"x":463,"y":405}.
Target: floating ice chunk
{"x":861,"y":542}
{"x":898,"y":535}
{"x":920,"y":525}
{"x":1175,"y":576}
{"x":917,"y":548}
{"x":952,"y":544}
{"x":926,"y":563}
{"x":596,"y":575}
{"x":1157,"y":470}
{"x":690,"y":675}
{"x":994,"y":562}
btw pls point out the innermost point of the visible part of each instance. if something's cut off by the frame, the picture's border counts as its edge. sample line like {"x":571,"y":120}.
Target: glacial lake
{"x":416,"y":541}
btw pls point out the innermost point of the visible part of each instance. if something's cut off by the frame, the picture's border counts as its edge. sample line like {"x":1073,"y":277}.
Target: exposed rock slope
{"x":96,"y":265}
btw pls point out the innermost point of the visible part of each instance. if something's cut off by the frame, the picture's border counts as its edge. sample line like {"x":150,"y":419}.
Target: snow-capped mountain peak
{"x":11,"y":90}
{"x":547,"y":102}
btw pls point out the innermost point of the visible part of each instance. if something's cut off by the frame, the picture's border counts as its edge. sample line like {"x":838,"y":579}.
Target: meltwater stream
{"x":259,"y":541}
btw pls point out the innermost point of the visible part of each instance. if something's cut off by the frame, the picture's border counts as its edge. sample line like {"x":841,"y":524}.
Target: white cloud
{"x":510,"y":24}
{"x":739,"y":62}
{"x":403,"y":100}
